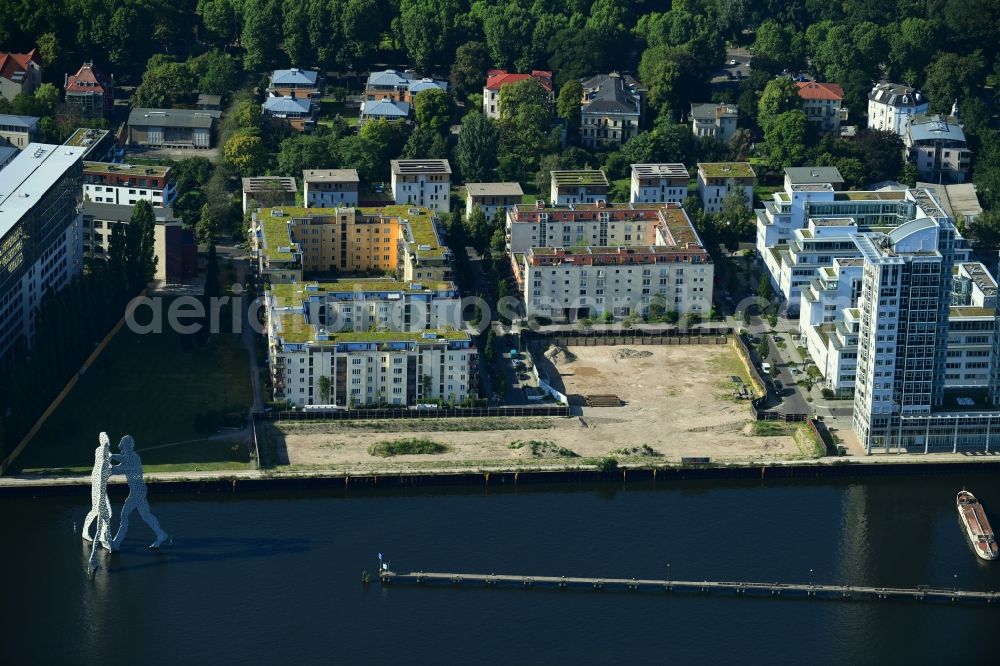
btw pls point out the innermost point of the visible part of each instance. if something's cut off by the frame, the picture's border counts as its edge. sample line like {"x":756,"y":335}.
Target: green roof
{"x":968,"y":311}
{"x":294,"y":329}
{"x":420,"y":223}
{"x":858,"y":195}
{"x":580,"y":177}
{"x":296,"y":292}
{"x":726,"y":169}
{"x":127,"y":169}
{"x":275,"y":230}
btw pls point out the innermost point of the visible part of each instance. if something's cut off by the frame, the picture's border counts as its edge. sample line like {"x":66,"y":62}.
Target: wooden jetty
{"x":799,"y":590}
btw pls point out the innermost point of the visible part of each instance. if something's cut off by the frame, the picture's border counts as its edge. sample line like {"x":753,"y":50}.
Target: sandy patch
{"x":676,"y":400}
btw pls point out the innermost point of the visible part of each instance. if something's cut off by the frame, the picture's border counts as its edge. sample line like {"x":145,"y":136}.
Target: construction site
{"x":650,"y":403}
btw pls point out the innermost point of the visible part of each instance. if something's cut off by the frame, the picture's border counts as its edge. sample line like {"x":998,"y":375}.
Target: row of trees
{"x":168,"y":81}
{"x":71,"y":321}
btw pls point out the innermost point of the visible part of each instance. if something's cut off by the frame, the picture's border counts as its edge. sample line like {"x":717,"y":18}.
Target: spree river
{"x":276,"y":578}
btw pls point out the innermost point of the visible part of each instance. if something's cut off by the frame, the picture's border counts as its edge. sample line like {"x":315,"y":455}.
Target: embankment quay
{"x":504,"y":475}
{"x":795,"y":590}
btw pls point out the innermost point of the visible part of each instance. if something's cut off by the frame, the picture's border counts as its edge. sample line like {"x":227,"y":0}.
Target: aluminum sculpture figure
{"x":126,"y":462}
{"x":100,"y":509}
{"x":130,"y":465}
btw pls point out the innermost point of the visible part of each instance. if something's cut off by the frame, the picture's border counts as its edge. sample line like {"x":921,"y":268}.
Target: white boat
{"x":977,"y":527}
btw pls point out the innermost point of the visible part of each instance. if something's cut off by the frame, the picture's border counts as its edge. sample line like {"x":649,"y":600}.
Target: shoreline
{"x":507,"y":475}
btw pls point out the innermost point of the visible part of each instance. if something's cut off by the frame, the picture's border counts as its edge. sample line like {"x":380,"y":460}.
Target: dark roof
{"x":172,"y":118}
{"x":121,"y":212}
{"x":611,"y":93}
{"x":24,"y":122}
{"x":896,"y":94}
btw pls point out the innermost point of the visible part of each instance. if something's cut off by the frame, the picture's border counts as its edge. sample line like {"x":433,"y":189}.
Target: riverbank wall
{"x":253,"y":481}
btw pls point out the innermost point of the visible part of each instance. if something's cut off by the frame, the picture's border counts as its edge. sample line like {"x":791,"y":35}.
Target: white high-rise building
{"x":41,"y":241}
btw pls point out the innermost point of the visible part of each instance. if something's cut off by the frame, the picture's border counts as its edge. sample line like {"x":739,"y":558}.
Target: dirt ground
{"x":677,"y":402}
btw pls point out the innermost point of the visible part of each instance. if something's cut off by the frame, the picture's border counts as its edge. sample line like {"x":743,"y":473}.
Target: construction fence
{"x":407,"y":413}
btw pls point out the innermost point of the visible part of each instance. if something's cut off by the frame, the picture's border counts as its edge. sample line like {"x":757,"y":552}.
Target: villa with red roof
{"x":90,"y":91}
{"x":19,"y":73}
{"x":822,"y":104}
{"x":498,"y":78}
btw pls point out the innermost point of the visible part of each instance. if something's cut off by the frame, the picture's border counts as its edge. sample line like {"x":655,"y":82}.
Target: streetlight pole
{"x":810,"y":578}
{"x":668,"y":570}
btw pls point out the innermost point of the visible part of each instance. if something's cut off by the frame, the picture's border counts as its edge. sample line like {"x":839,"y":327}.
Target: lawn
{"x":330,"y":108}
{"x":170,"y":399}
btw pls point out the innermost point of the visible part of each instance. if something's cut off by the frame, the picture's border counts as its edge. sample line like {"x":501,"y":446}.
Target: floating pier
{"x":795,"y":590}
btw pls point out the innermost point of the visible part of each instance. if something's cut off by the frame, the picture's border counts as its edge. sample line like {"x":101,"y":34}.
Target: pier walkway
{"x":921,"y":593}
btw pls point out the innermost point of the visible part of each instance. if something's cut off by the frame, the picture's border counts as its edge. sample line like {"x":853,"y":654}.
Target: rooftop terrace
{"x":294,"y":329}
{"x":295,"y":293}
{"x":660,"y":170}
{"x":409,"y":167}
{"x":85,"y":136}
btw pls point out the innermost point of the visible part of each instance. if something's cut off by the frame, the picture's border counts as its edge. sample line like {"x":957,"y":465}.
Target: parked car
{"x":765,"y":368}
{"x":779,"y":388}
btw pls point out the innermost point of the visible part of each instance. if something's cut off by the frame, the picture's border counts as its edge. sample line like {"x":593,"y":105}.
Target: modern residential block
{"x":652,"y":183}
{"x":107,"y":182}
{"x":718,"y":179}
{"x":290,"y":244}
{"x":41,"y":247}
{"x":892,"y":105}
{"x":425,"y":183}
{"x":573,"y":187}
{"x":491,"y":197}
{"x":660,"y":261}
{"x":172,"y":265}
{"x":330,"y":188}
{"x":807,"y":225}
{"x":375,"y":341}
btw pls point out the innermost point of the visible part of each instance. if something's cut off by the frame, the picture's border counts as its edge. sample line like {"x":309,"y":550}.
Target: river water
{"x":275,"y":578}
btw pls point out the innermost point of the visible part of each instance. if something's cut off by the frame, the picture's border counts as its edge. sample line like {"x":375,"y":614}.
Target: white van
{"x":765,"y":367}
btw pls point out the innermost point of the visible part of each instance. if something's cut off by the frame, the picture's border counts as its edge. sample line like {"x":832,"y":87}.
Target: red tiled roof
{"x":497,"y":78}
{"x":16,"y":62}
{"x":816,"y":90}
{"x":88,"y":73}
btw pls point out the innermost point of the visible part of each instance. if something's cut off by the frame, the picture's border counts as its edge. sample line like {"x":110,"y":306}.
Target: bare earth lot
{"x":677,"y":402}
